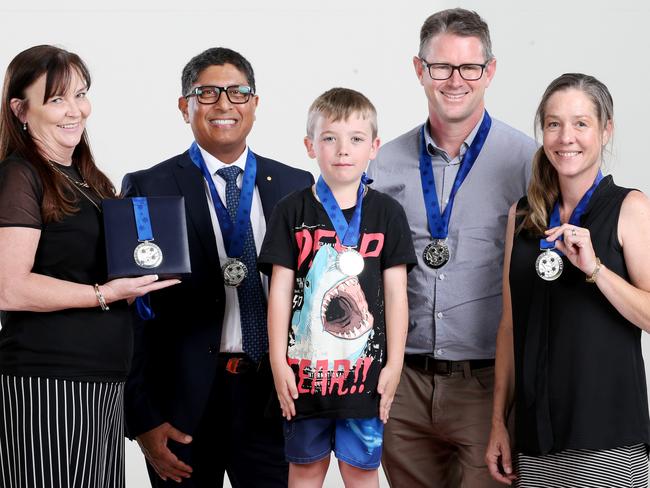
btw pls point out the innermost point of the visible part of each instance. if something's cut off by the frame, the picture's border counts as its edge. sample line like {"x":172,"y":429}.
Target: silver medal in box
{"x":148,"y":255}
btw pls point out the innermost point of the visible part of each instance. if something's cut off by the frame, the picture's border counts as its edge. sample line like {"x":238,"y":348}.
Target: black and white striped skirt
{"x":621,"y":467}
{"x":61,"y":433}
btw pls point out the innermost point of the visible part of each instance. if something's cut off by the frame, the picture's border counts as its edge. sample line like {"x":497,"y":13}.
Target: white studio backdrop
{"x":136,"y":51}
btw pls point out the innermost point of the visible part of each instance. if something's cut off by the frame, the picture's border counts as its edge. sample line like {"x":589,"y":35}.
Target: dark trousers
{"x":235,"y":436}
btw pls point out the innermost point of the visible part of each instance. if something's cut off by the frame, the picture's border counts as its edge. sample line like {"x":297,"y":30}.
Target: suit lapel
{"x":267,"y":184}
{"x":190,"y":182}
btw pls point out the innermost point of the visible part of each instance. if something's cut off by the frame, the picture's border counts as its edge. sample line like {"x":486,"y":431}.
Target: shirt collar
{"x":214,"y":165}
{"x":438,"y":151}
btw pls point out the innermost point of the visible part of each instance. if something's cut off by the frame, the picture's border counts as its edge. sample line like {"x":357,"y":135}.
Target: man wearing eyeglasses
{"x":201,"y":378}
{"x":456,"y":176}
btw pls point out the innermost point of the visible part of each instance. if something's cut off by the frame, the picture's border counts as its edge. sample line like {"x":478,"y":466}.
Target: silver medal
{"x":436,"y":254}
{"x":350,"y":262}
{"x":549,"y":265}
{"x":234,"y":272}
{"x":147,"y":255}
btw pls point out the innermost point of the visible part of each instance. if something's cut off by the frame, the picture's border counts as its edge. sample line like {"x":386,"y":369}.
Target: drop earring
{"x":24,"y":125}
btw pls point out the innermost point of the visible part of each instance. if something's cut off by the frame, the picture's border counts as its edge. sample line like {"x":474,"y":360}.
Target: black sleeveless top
{"x":579,"y":372}
{"x":84,"y":344}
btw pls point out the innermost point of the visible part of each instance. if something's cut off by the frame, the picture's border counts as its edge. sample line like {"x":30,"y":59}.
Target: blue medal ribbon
{"x":143,"y":308}
{"x":142,"y":218}
{"x":348,"y":233}
{"x":439,"y":222}
{"x":576,"y":215}
{"x":145,"y":233}
{"x":234,"y":233}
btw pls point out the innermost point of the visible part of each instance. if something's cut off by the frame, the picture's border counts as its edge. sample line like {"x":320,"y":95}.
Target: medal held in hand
{"x":233,"y":230}
{"x":549,"y":263}
{"x":234,"y":272}
{"x":349,"y":261}
{"x":146,"y":254}
{"x":436,"y":254}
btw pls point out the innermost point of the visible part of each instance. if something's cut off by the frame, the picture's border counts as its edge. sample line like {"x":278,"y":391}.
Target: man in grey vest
{"x":456,"y":176}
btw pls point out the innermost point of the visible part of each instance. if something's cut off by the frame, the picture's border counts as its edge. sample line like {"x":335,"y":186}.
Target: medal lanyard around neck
{"x":576,"y":215}
{"x":439,"y":222}
{"x":348,"y":234}
{"x":234,"y":233}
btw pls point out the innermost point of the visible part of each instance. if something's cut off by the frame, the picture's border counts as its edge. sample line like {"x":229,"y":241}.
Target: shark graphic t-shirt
{"x":337,"y":335}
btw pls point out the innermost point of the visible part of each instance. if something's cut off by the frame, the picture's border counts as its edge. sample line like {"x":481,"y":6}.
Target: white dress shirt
{"x":231,"y":340}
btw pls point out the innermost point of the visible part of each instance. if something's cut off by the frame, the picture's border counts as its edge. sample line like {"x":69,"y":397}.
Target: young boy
{"x":338,"y":305}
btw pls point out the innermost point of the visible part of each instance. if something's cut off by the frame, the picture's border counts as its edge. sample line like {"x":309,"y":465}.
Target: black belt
{"x":444,"y":367}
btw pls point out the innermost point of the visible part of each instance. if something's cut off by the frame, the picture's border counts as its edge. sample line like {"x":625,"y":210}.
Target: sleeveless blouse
{"x":579,"y":372}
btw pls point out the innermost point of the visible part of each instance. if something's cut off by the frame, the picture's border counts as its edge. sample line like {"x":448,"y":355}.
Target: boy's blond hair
{"x":339,"y":104}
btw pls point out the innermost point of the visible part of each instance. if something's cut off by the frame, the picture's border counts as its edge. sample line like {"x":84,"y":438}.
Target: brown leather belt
{"x":444,"y":367}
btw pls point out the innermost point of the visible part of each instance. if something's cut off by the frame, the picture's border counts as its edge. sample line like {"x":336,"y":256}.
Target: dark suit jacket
{"x":175,"y":354}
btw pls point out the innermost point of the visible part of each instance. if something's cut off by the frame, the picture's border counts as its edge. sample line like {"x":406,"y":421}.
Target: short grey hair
{"x":458,"y":21}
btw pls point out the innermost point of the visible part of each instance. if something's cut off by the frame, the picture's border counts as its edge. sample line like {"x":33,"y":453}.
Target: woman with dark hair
{"x":576,"y":296}
{"x":66,"y":340}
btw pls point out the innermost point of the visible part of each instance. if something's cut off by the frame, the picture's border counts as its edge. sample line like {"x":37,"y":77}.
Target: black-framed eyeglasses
{"x":207,"y":95}
{"x":444,"y":71}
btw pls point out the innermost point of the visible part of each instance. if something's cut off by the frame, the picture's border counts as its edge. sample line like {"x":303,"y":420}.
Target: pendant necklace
{"x":76,"y":184}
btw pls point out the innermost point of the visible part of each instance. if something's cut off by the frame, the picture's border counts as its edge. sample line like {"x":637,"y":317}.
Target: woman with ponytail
{"x":576,"y":296}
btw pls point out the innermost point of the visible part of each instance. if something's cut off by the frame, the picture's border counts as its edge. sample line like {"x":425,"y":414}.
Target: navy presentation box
{"x":167,"y":216}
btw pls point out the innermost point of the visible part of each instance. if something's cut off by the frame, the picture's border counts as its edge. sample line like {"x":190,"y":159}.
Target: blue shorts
{"x":356,"y":442}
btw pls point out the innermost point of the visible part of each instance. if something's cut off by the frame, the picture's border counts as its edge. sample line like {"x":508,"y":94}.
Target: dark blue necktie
{"x":252,"y":302}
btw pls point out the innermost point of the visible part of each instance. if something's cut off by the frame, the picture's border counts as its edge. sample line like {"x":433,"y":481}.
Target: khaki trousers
{"x":438,"y":430}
